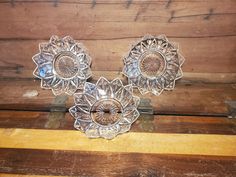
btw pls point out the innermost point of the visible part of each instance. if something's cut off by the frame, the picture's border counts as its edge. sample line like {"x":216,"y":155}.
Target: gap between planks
{"x":157,"y":143}
{"x":188,"y":77}
{"x":160,"y":124}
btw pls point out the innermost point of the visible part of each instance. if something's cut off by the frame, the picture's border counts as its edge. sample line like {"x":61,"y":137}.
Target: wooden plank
{"x":146,"y":11}
{"x":201,"y":57}
{"x":193,"y":99}
{"x":160,"y":124}
{"x":74,"y":163}
{"x":88,"y":20}
{"x":17,"y":175}
{"x":157,"y":143}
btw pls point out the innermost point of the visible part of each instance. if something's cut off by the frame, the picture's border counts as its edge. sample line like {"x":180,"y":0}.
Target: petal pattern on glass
{"x":65,"y":60}
{"x":85,"y":73}
{"x":92,"y":131}
{"x":116,"y":84}
{"x":131,"y":69}
{"x":124,"y":128}
{"x":179,"y":74}
{"x":81,"y":125}
{"x":69,"y":42}
{"x":46,"y":83}
{"x":73,"y":86}
{"x":103,"y":88}
{"x":126,"y":96}
{"x":44,"y":71}
{"x":143,"y":85}
{"x":79,"y":113}
{"x":109,"y":132}
{"x":131,"y":115}
{"x":155,"y":87}
{"x":153,"y":58}
{"x":119,"y":94}
{"x":129,"y":88}
{"x":58,"y":88}
{"x":58,"y":44}
{"x":77,"y":48}
{"x":48,"y":48}
{"x":80,"y":99}
{"x":84,"y":100}
{"x":42,"y":58}
{"x":134,"y":102}
{"x":110,"y":108}
{"x":134,"y":81}
{"x":90,"y":89}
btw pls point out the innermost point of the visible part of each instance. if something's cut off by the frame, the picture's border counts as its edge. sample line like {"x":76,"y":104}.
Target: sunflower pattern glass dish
{"x":153,"y":64}
{"x":105,"y":109}
{"x":62,"y":65}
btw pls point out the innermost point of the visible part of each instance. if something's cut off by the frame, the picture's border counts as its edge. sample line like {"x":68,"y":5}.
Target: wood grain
{"x":215,"y":55}
{"x":196,"y":140}
{"x":160,"y":124}
{"x":92,"y":20}
{"x":74,"y":163}
{"x":20,"y":175}
{"x":157,"y":143}
{"x":190,"y":99}
{"x":108,"y":28}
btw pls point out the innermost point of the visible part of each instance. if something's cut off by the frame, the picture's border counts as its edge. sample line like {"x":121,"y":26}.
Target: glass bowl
{"x":105,"y":109}
{"x":63,"y":65}
{"x":153,"y":64}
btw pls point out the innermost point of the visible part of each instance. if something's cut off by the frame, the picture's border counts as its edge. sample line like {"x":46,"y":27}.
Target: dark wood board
{"x":72,"y":163}
{"x":190,"y":99}
{"x":160,"y":123}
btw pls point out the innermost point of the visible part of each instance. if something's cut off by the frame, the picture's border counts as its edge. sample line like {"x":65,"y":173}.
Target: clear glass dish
{"x":105,"y":109}
{"x":153,"y":64}
{"x":63,"y":65}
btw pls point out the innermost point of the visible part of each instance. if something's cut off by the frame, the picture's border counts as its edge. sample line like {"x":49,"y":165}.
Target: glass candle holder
{"x":153,"y":64}
{"x":63,"y":65}
{"x":105,"y":109}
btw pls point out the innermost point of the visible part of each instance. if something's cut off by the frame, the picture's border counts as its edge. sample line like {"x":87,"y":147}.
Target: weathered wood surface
{"x":21,"y":175}
{"x":202,"y":146}
{"x":160,"y":124}
{"x":132,"y":142}
{"x":40,"y":161}
{"x":88,"y":20}
{"x":108,"y":28}
{"x":71,"y":163}
{"x":215,"y":55}
{"x":193,"y":99}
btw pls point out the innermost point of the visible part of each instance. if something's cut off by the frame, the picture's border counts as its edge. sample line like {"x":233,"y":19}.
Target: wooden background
{"x":195,"y":111}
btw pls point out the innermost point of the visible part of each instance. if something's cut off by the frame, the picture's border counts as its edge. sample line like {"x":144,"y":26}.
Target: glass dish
{"x":62,"y":65}
{"x":105,"y":109}
{"x":153,"y":64}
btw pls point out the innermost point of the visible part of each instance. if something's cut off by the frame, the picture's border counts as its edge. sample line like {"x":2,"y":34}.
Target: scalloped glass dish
{"x":62,"y":65}
{"x":153,"y":64}
{"x":105,"y":109}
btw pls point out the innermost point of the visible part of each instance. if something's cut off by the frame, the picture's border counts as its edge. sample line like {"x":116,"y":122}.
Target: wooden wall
{"x":206,"y":33}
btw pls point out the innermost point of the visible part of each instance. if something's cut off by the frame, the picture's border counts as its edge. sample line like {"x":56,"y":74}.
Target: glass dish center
{"x":152,"y":64}
{"x":106,"y":112}
{"x":65,"y":65}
